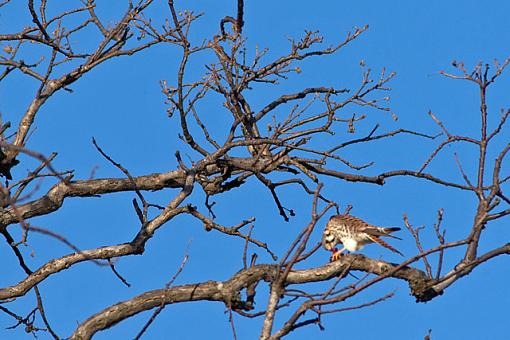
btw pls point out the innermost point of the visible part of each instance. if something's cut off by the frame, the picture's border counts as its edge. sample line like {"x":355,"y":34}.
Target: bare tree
{"x":286,"y":142}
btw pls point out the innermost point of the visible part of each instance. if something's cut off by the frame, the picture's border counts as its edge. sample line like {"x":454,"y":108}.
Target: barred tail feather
{"x":384,"y":244}
{"x":389,"y":230}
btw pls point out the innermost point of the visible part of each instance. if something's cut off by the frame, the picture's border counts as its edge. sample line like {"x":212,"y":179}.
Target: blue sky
{"x":120,"y":104}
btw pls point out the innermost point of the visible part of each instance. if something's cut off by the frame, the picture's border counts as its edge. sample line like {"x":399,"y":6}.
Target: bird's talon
{"x":336,"y":256}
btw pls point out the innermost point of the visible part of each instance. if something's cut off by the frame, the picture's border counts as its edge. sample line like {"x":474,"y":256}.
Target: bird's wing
{"x":381,"y":231}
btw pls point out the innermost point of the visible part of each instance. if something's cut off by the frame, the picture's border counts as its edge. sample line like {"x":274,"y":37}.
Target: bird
{"x":353,"y":233}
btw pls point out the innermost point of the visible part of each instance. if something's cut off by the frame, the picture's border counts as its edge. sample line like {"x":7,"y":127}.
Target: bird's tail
{"x":383,"y":231}
{"x":384,"y":244}
{"x":388,"y":230}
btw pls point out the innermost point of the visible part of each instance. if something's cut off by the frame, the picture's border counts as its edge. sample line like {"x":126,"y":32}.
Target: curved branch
{"x":464,"y":269}
{"x":381,"y":178}
{"x":57,"y":265}
{"x":54,"y":198}
{"x":229,"y":291}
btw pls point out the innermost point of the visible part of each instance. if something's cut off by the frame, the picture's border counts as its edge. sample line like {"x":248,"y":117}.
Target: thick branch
{"x":229,"y":291}
{"x":54,"y":198}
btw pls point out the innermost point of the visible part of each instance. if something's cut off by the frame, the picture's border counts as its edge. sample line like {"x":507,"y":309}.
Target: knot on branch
{"x":420,"y":284}
{"x":380,"y":180}
{"x":6,"y":164}
{"x":425,"y":294}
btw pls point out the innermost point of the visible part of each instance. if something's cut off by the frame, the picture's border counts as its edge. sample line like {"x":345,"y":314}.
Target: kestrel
{"x":353,"y":233}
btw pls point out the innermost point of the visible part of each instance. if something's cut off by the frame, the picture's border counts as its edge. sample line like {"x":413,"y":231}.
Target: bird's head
{"x":329,"y":240}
